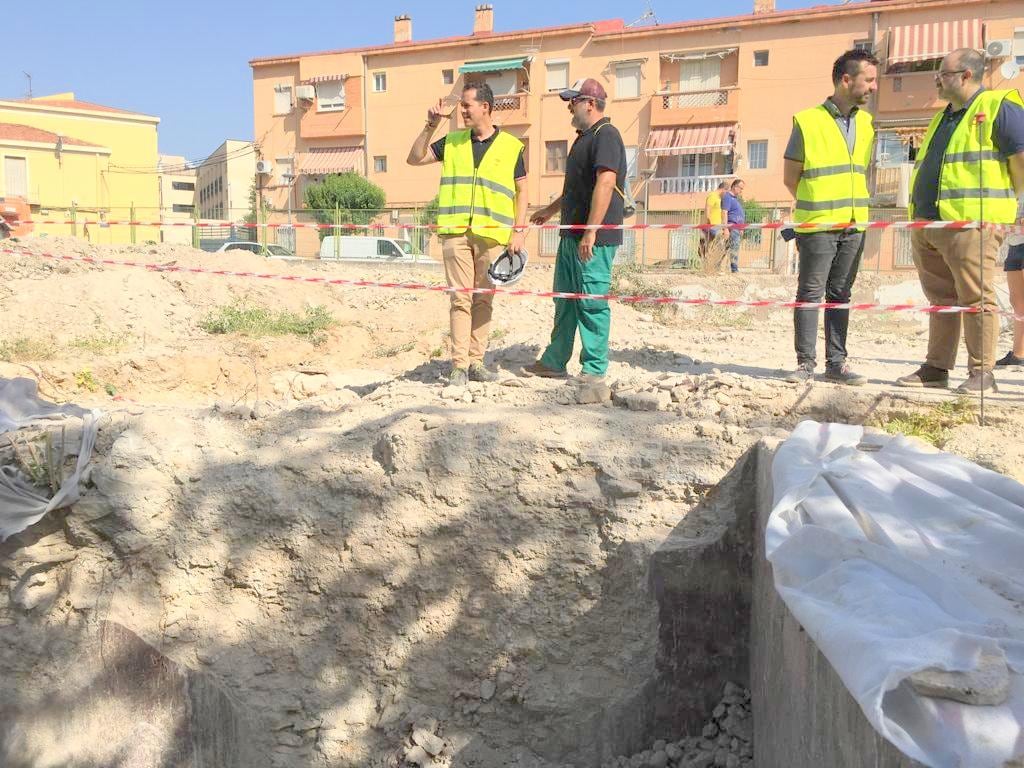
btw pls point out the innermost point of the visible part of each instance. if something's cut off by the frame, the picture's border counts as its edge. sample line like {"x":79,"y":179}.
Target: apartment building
{"x":697,"y":101}
{"x":224,"y":181}
{"x":177,"y":181}
{"x":74,"y":159}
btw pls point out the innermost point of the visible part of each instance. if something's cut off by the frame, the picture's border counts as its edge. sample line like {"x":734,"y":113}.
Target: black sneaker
{"x":477,"y":372}
{"x":1010,"y":359}
{"x":841,"y":374}
{"x":803,"y":373}
{"x":458,"y":378}
{"x":927,"y":376}
{"x":978,"y":381}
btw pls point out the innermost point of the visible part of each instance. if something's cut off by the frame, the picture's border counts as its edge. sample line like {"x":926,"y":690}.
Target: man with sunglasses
{"x":970,"y":167}
{"x":592,"y":194}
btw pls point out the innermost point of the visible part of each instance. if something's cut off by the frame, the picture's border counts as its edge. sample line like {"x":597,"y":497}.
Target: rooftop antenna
{"x":29,"y":78}
{"x":647,"y":16}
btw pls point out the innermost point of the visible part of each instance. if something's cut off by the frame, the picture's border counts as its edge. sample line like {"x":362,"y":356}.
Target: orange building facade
{"x":697,"y":102}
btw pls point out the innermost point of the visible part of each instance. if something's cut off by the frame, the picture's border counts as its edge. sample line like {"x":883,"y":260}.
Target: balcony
{"x":686,"y":185}
{"x":718,"y":105}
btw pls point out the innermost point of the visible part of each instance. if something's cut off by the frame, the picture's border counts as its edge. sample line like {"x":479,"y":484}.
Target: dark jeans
{"x":828,"y":267}
{"x":735,"y":236}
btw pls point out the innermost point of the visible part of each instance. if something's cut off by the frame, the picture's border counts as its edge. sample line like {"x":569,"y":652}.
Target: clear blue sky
{"x":187,"y":62}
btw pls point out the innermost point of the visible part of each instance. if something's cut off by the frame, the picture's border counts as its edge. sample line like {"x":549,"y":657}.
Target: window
{"x":388,"y":249}
{"x":447,"y":76}
{"x":180,"y":208}
{"x":631,"y":157}
{"x":863,"y":45}
{"x":380,"y":164}
{"x":558,"y":74}
{"x":700,"y":75}
{"x":503,"y":83}
{"x":554,"y":160}
{"x":757,"y":155}
{"x":380,"y":82}
{"x":183,"y":186}
{"x":1018,"y":46}
{"x":890,"y":151}
{"x":282,"y":99}
{"x":16,"y":176}
{"x":760,"y":58}
{"x":627,"y":81}
{"x":897,"y":85}
{"x":330,"y":96}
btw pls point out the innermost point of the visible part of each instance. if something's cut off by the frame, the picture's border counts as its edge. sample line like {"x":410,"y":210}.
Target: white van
{"x":364,"y":248}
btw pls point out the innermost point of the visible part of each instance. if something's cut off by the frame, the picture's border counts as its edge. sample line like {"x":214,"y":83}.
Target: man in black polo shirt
{"x":595,"y":175}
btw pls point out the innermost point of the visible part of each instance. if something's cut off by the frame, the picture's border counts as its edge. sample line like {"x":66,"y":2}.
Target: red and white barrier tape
{"x":576,"y":227}
{"x":412,"y":286}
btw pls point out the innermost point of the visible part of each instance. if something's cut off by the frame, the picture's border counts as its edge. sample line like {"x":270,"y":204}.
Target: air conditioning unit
{"x":264,"y":166}
{"x":305,"y":92}
{"x":999,"y":49}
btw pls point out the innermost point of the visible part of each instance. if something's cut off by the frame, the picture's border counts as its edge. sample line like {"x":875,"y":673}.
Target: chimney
{"x":403,"y":28}
{"x":483,"y":22}
{"x":764,"y":6}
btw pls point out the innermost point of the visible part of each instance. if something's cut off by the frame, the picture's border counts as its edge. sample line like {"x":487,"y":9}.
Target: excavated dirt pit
{"x":328,"y":565}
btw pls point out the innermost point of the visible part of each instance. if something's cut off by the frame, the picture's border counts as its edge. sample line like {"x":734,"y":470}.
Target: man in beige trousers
{"x":482,"y":208}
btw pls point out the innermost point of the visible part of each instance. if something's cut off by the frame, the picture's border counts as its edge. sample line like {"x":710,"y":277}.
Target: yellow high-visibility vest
{"x":974,"y":181}
{"x":482,"y":199}
{"x":833,"y":186}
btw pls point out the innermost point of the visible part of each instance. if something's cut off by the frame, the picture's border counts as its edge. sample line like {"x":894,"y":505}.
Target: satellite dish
{"x":1009,"y":69}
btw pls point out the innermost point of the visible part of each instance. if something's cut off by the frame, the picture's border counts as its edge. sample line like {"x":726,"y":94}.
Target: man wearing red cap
{"x":595,"y":175}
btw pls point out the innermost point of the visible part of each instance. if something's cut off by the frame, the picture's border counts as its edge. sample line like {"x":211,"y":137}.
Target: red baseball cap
{"x":586,"y":87}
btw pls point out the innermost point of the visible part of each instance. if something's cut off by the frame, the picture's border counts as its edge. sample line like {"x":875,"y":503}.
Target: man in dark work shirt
{"x":592,"y":194}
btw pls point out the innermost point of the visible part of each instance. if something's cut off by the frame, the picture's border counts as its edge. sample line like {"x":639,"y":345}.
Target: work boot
{"x":978,"y":381}
{"x":477,"y":372}
{"x":926,"y":376}
{"x":1010,"y":359}
{"x":539,"y":369}
{"x":590,"y":378}
{"x":841,"y":374}
{"x":803,"y":373}
{"x":458,"y":378}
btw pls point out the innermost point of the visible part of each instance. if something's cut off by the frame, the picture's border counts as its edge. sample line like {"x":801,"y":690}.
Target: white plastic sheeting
{"x":897,"y":558}
{"x":21,"y":503}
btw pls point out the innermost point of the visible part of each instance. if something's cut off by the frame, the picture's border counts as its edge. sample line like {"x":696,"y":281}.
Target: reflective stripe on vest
{"x":974,"y":183}
{"x":478,"y":198}
{"x":833,"y":184}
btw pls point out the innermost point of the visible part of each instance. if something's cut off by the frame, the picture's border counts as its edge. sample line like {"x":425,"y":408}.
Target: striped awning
{"x":690,"y":139}
{"x":921,"y":42}
{"x":324,"y":79}
{"x":330,"y":160}
{"x":494,"y":65}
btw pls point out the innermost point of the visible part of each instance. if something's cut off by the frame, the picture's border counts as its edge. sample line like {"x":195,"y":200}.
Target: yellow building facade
{"x":74,"y":159}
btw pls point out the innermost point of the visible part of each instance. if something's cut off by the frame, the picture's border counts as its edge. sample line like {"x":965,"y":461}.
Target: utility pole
{"x":29,"y":78}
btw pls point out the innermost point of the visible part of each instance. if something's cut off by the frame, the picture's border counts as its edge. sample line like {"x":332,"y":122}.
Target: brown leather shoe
{"x":926,"y":376}
{"x":978,"y":381}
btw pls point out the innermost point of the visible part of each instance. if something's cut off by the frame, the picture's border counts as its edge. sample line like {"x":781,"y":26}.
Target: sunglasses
{"x":577,"y":99}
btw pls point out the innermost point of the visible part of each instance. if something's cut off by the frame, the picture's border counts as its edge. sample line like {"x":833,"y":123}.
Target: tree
{"x":344,"y":198}
{"x":428,"y":216}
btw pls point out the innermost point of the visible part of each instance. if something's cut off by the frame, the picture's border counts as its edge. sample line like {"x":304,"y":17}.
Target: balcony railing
{"x":509,"y":109}
{"x":686,"y":99}
{"x":684,"y":185}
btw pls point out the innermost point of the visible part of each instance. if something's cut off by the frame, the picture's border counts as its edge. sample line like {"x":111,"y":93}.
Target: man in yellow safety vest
{"x":970,"y":167}
{"x":482,"y":208}
{"x":825,"y":169}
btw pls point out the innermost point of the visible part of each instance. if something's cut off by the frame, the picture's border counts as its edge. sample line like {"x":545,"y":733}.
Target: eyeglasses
{"x":577,"y":99}
{"x":946,"y":73}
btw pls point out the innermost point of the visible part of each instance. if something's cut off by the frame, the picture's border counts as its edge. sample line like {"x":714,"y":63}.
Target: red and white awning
{"x":324,"y":79}
{"x":690,"y":139}
{"x":921,"y":42}
{"x":330,"y":160}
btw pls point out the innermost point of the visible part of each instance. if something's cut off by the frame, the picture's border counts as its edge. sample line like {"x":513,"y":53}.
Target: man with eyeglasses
{"x":960,"y":175}
{"x":592,"y":194}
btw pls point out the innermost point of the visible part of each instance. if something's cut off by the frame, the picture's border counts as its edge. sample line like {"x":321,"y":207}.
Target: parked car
{"x":363,"y":248}
{"x":258,"y":248}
